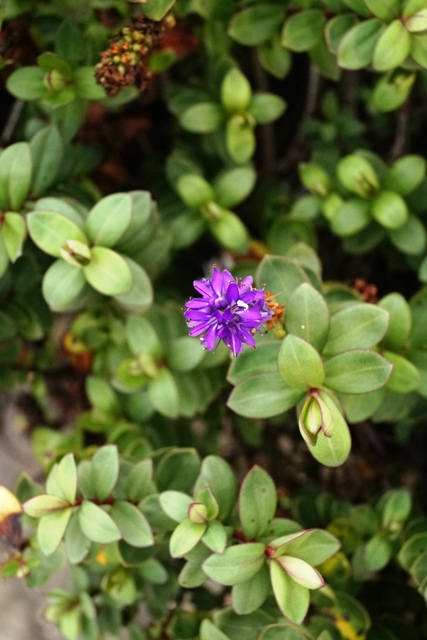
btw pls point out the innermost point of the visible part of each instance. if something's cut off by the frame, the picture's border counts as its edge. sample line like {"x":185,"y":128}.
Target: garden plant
{"x":213,"y":320}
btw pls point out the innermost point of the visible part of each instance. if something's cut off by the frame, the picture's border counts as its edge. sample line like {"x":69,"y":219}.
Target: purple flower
{"x":229,"y":310}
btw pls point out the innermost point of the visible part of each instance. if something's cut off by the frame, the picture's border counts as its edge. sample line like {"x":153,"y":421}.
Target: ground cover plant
{"x":213,"y":322}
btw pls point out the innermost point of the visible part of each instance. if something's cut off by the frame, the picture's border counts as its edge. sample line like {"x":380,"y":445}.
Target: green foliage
{"x":178,"y":489}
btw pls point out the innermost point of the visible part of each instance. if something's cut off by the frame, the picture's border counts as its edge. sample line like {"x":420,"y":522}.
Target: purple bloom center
{"x":229,"y":310}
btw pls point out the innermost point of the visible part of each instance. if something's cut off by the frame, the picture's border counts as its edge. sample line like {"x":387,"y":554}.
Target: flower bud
{"x":315,"y":179}
{"x":358,"y":176}
{"x":54,"y":81}
{"x":197,"y":512}
{"x":76,"y":253}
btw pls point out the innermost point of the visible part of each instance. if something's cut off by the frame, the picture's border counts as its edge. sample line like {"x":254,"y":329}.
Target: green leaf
{"x":419,"y":49}
{"x":377,"y":552}
{"x":301,"y":572}
{"x":194,"y":190}
{"x":230,"y":231}
{"x":43,"y":505}
{"x":418,"y":305}
{"x":76,"y":543}
{"x":216,"y":474}
{"x":237,"y":564}
{"x":185,"y":537}
{"x":203,"y":117}
{"x":139,"y":298}
{"x":50,"y":231}
{"x":253,"y":362}
{"x":359,"y":7}
{"x":14,"y":232}
{"x":358,"y":408}
{"x":16,"y":168}
{"x":314,"y":546}
{"x":417,"y":22}
{"x":96,"y":524}
{"x":27,"y":83}
{"x":274,"y":58}
{"x":156,"y":9}
{"x":303,"y":30}
{"x":64,"y":286}
{"x":86,"y":86}
{"x":291,"y":597}
{"x":307,"y":316}
{"x":163,"y":394}
{"x":390,"y":210}
{"x":386,"y":11}
{"x":236,"y":91}
{"x":300,"y":364}
{"x":411,"y":237}
{"x":248,"y":398}
{"x":412,"y":549}
{"x":178,"y":469}
{"x":336,"y":29}
{"x":281,"y":276}
{"x":233,"y":185}
{"x":250,"y":595}
{"x":404,"y":377}
{"x":104,"y":471}
{"x":47,"y":150}
{"x":254,"y":25}
{"x":392,"y":48}
{"x":357,"y":47}
{"x":215,"y":536}
{"x":139,"y":480}
{"x":142,"y":337}
{"x":266,"y":107}
{"x":357,"y":371}
{"x":132,"y":524}
{"x":108,"y":272}
{"x":109,"y":219}
{"x":396,"y":506}
{"x":175,"y":504}
{"x":69,"y":42}
{"x":4,"y":258}
{"x":257,"y":502}
{"x":405,"y":175}
{"x":64,"y":478}
{"x":351,"y":217}
{"x":240,"y":138}
{"x":209,"y":631}
{"x":392,"y":90}
{"x":357,"y":326}
{"x":51,"y":530}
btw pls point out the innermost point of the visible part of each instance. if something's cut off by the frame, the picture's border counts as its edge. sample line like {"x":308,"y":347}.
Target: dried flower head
{"x":124,"y":63}
{"x":230,"y":309}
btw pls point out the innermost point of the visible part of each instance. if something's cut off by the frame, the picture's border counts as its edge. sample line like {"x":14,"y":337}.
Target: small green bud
{"x":197,"y":512}
{"x":315,"y":179}
{"x":358,"y":176}
{"x":146,"y":364}
{"x":76,"y":253}
{"x":54,"y":81}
